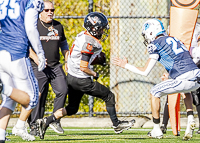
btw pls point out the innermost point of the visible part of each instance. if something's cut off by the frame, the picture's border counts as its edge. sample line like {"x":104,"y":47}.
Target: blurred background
{"x":126,"y":18}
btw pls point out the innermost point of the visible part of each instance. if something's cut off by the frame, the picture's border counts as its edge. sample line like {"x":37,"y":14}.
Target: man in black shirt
{"x":52,"y":37}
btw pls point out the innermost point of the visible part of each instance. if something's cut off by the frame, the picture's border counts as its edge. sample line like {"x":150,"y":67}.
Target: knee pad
{"x":110,"y":100}
{"x":71,"y":110}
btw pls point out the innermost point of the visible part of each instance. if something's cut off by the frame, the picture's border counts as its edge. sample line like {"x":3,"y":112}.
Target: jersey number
{"x":12,"y":9}
{"x":177,"y":50}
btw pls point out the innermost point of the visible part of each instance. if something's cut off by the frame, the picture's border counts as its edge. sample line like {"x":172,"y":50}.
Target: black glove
{"x":96,"y":77}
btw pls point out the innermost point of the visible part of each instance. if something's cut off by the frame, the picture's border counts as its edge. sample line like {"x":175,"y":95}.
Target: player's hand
{"x":165,"y":76}
{"x":42,"y":62}
{"x":119,"y":62}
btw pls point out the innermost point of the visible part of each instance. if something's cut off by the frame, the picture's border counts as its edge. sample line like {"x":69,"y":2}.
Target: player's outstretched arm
{"x":138,"y":70}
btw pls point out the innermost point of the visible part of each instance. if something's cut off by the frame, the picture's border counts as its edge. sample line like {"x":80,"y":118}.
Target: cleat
{"x":189,"y":130}
{"x":163,"y":129}
{"x":155,"y":133}
{"x":198,"y":132}
{"x":123,"y":125}
{"x":56,"y":127}
{"x":22,"y":132}
{"x":7,"y":139}
{"x":34,"y":129}
{"x":41,"y":124}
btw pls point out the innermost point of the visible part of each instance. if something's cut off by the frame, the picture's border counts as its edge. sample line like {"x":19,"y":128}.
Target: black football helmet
{"x":96,"y":24}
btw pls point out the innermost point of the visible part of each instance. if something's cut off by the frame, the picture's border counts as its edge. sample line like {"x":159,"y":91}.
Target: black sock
{"x":111,"y":111}
{"x":156,"y":121}
{"x":50,"y":119}
{"x":190,"y":113}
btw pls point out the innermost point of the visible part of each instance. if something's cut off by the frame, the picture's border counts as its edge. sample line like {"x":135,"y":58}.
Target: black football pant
{"x":78,"y":86}
{"x":57,"y":78}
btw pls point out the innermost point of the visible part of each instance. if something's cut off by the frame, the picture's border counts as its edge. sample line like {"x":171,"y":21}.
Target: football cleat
{"x":34,"y":129}
{"x":22,"y":132}
{"x":163,"y":129}
{"x":41,"y":124}
{"x":189,"y":130}
{"x":155,"y":133}
{"x":56,"y":127}
{"x":123,"y":125}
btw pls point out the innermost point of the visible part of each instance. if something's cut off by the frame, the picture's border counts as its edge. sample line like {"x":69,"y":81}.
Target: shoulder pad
{"x":151,"y":48}
{"x":89,"y":48}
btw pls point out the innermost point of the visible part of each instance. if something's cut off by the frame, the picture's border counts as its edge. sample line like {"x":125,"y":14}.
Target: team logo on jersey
{"x":94,"y":20}
{"x":151,"y":48}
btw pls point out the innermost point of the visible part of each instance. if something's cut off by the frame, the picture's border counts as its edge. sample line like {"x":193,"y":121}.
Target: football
{"x":100,"y":59}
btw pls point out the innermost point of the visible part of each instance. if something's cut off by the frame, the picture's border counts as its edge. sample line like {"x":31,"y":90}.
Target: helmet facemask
{"x":96,"y":24}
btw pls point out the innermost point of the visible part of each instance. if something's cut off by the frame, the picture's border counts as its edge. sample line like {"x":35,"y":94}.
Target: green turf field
{"x":105,"y":135}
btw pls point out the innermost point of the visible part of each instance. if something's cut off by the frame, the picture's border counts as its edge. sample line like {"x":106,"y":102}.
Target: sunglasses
{"x":47,"y":10}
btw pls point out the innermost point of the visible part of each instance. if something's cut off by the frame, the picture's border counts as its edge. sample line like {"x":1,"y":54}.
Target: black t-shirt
{"x":51,"y":34}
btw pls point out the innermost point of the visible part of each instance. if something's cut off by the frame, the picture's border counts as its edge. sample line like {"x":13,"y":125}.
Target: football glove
{"x":42,"y":62}
{"x":96,"y":77}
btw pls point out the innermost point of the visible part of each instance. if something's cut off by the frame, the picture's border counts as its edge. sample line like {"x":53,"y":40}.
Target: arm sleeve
{"x":137,"y":71}
{"x":64,"y":45}
{"x":30,"y":21}
{"x":85,"y":59}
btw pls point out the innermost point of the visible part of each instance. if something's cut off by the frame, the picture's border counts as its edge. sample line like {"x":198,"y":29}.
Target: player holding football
{"x":176,"y":59}
{"x":18,"y":28}
{"x":83,"y":51}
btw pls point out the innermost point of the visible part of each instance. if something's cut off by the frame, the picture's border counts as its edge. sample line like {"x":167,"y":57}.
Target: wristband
{"x":65,"y":61}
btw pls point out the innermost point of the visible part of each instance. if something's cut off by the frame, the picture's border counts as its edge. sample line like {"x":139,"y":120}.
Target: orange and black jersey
{"x":83,"y":51}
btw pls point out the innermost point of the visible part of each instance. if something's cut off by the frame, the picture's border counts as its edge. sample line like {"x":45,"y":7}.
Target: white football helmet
{"x":152,"y":28}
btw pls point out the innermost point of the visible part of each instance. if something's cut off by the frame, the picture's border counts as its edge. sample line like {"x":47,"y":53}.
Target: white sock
{"x":156,"y":126}
{"x":2,"y":134}
{"x":190,"y":118}
{"x":20,"y":124}
{"x":7,"y":90}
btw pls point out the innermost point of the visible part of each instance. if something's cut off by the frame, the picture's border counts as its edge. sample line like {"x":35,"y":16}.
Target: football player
{"x":84,"y":50}
{"x":195,"y":53}
{"x":176,"y":59}
{"x":18,"y":29}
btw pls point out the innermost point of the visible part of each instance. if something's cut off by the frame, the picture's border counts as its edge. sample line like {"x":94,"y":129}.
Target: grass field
{"x":105,"y":135}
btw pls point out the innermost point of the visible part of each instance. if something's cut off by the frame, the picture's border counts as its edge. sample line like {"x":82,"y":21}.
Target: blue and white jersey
{"x":13,"y":37}
{"x":172,"y":54}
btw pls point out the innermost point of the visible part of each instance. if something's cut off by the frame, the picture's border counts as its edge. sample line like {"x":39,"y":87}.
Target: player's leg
{"x":4,"y":118}
{"x":191,"y":122}
{"x":196,"y":101}
{"x":25,"y":80}
{"x":172,"y":86}
{"x":60,"y":88}
{"x":74,"y":98}
{"x":7,"y":106}
{"x":98,"y":90}
{"x":8,"y":89}
{"x":198,"y":112}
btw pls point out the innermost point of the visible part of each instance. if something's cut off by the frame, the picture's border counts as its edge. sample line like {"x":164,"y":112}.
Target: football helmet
{"x":96,"y":24}
{"x":151,"y":29}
